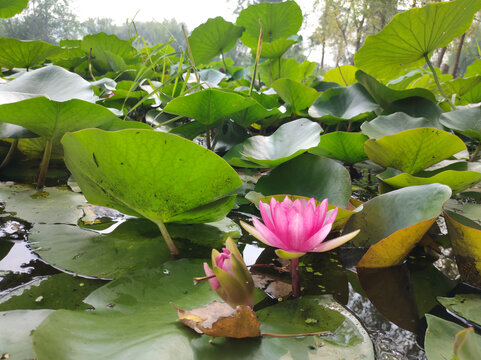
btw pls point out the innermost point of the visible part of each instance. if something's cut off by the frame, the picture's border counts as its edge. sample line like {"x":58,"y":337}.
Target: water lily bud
{"x":232,"y":280}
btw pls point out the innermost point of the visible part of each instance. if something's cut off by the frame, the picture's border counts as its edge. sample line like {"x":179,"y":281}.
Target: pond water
{"x":390,"y":303}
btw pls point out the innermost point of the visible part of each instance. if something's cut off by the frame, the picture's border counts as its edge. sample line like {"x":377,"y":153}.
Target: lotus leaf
{"x":25,"y":54}
{"x":344,"y":146}
{"x":287,"y":142}
{"x":311,"y":176}
{"x":413,"y":34}
{"x":413,"y":150}
{"x":214,"y":37}
{"x":352,"y":103}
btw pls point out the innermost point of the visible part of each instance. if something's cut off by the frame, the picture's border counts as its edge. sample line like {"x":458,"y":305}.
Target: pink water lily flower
{"x":296,"y":227}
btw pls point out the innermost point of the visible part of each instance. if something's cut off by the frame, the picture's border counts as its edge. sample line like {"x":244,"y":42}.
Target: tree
{"x":47,"y":20}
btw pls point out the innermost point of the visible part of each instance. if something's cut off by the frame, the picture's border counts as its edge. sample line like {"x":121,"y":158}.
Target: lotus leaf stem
{"x":44,"y":165}
{"x":438,"y":84}
{"x":11,"y":151}
{"x":167,"y":238}
{"x":475,"y":153}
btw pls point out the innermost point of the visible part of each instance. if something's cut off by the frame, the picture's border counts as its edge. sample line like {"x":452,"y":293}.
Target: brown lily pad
{"x":221,"y":320}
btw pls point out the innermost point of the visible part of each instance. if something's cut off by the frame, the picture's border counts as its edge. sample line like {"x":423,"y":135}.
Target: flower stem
{"x":296,"y":285}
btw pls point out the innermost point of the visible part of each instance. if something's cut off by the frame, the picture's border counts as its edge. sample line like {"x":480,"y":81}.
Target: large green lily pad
{"x":150,"y":174}
{"x":132,"y":245}
{"x":53,"y":82}
{"x":15,"y":332}
{"x":311,"y":176}
{"x":136,"y":310}
{"x":296,"y":94}
{"x":60,"y":291}
{"x":352,"y":103}
{"x":287,"y":142}
{"x":25,"y":54}
{"x":212,"y":38}
{"x":466,"y":121}
{"x":344,"y":146}
{"x":456,"y":180}
{"x":279,"y":21}
{"x":51,"y":119}
{"x":285,"y":68}
{"x":344,"y":75}
{"x":465,"y":305}
{"x":108,"y":51}
{"x":52,"y":205}
{"x":392,"y":124}
{"x":209,"y":106}
{"x":440,"y":338}
{"x":393,"y":223}
{"x":413,"y":150}
{"x":412,"y":34}
{"x":8,"y":8}
{"x":385,"y":96}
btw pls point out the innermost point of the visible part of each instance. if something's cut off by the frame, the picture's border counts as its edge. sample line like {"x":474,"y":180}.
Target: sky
{"x":190,"y":12}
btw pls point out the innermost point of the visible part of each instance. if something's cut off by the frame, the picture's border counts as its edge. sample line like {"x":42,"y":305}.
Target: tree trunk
{"x":458,"y":55}
{"x":439,"y":60}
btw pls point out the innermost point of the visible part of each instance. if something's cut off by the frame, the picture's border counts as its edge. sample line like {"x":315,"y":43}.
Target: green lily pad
{"x":52,"y":205}
{"x":60,"y":291}
{"x":287,"y":142}
{"x":106,"y":49}
{"x":120,"y":170}
{"x":352,"y":103}
{"x":310,"y":176}
{"x":413,"y":150}
{"x":392,"y":124}
{"x":119,"y":124}
{"x":411,"y":35}
{"x":440,"y":338}
{"x":296,"y":94}
{"x":256,"y":112}
{"x":279,"y":21}
{"x":285,"y":68}
{"x":8,"y":8}
{"x":344,"y":146}
{"x":385,"y":96}
{"x":465,"y":305}
{"x":416,"y":107}
{"x":53,"y":82}
{"x":15,"y":332}
{"x":51,"y":120}
{"x":389,"y":213}
{"x":464,"y":235}
{"x":213,"y":38}
{"x":466,"y":121}
{"x":132,"y":245}
{"x":208,"y":106}
{"x":25,"y":54}
{"x":456,"y":180}
{"x":344,"y":75}
{"x":277,"y":48}
{"x":136,"y":310}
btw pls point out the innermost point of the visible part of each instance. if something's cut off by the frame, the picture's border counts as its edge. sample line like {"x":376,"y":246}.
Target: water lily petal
{"x":288,"y":254}
{"x":254,"y":232}
{"x":266,"y":214}
{"x":213,"y":281}
{"x":334,"y":243}
{"x":281,"y":222}
{"x":296,"y":233}
{"x":315,"y":240}
{"x":331,"y":216}
{"x":320,"y":214}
